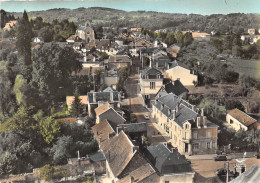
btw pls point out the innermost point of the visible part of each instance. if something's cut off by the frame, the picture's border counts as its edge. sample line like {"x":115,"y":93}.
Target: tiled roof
{"x":161,"y":62}
{"x":68,"y":120}
{"x":83,"y":98}
{"x":176,"y":88}
{"x":119,"y":58}
{"x":175,"y":64}
{"x":103,"y":43}
{"x":167,"y":162}
{"x":134,"y":127}
{"x":119,"y":152}
{"x":251,"y":175}
{"x":99,"y":110}
{"x":242,"y":117}
{"x":138,"y":170}
{"x":10,"y":24}
{"x":102,"y":96}
{"x":197,"y":34}
{"x":102,"y":131}
{"x":151,"y":71}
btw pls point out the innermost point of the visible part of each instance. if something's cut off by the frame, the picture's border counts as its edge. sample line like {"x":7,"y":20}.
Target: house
{"x":161,"y":63}
{"x":103,"y":45}
{"x":239,"y":120}
{"x":83,"y":100}
{"x":179,"y":71}
{"x":199,"y":36}
{"x":37,"y":40}
{"x":124,"y":163}
{"x":73,"y":39}
{"x":188,"y":129}
{"x":251,"y":175}
{"x":173,"y":50}
{"x":171,"y":166}
{"x":141,"y":43}
{"x":111,"y":77}
{"x":134,"y":130}
{"x":158,"y":43}
{"x":107,"y":112}
{"x":151,"y":80}
{"x":9,"y":25}
{"x":86,"y":33}
{"x":118,"y":61}
{"x":96,"y":99}
{"x":175,"y":87}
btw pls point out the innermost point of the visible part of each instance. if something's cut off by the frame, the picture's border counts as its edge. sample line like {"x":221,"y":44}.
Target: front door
{"x":186,"y":147}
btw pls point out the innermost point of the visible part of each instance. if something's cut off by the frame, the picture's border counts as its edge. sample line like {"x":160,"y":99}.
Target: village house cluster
{"x":125,"y":154}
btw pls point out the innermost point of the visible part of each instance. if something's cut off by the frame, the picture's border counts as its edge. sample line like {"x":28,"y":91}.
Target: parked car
{"x":221,"y":171}
{"x":221,"y":158}
{"x":257,"y":155}
{"x":146,"y":116}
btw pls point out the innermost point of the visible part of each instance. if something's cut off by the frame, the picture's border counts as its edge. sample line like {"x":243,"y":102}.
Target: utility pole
{"x":227,"y":170}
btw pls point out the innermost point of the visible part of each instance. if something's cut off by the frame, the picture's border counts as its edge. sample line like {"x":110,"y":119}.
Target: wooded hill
{"x":112,"y":18}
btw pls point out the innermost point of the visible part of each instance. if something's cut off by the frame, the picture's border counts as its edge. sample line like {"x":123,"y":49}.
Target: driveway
{"x":135,"y":102}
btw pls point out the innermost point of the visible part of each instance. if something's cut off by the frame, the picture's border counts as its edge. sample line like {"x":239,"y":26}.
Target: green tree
{"x":187,"y":39}
{"x":232,"y":104}
{"x":24,"y":35}
{"x":49,"y":127}
{"x":179,"y":37}
{"x":46,"y":33}
{"x":47,"y":172}
{"x":77,"y":107}
{"x":18,"y":87}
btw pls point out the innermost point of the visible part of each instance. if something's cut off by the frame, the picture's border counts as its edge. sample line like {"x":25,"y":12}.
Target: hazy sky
{"x":169,"y":6}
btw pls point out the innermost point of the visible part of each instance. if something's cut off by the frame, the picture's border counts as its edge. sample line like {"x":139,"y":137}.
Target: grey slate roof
{"x":102,"y":96}
{"x":252,"y":175}
{"x":170,"y":102}
{"x":176,"y":88}
{"x":162,"y":62}
{"x":175,"y":64}
{"x":151,"y":71}
{"x":113,"y":117}
{"x":167,"y":162}
{"x":135,"y":127}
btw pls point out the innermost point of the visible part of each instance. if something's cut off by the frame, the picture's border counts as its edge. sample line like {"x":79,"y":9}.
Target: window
{"x":209,"y":134}
{"x":195,"y":146}
{"x":231,"y":121}
{"x":167,"y":129}
{"x":213,"y":144}
{"x":152,"y":85}
{"x":208,"y":145}
{"x":186,"y":126}
{"x":195,"y":135}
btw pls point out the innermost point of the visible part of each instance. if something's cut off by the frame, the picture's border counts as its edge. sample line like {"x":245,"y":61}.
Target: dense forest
{"x":113,"y":19}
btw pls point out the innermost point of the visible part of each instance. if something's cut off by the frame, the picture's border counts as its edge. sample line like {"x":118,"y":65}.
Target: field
{"x":246,"y":67}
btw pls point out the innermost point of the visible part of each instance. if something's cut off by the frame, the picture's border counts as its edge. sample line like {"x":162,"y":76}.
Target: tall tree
{"x":24,"y":36}
{"x":77,"y":107}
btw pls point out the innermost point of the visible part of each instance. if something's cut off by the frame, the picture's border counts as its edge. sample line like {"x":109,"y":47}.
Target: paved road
{"x":136,"y":105}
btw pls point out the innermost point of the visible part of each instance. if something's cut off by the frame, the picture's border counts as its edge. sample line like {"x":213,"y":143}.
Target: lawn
{"x":246,"y":67}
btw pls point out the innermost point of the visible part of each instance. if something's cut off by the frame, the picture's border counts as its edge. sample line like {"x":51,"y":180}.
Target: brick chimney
{"x":202,"y":112}
{"x":111,"y":96}
{"x":198,"y":122}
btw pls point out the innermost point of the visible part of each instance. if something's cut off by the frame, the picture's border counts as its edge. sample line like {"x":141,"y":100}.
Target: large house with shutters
{"x":188,"y":128}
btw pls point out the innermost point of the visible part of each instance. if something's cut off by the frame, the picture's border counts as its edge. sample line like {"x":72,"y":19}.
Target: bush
{"x":232,"y":104}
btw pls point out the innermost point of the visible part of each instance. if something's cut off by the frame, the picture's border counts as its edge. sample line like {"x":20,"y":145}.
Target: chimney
{"x":85,"y":58}
{"x":193,"y":107}
{"x":169,"y":112}
{"x":198,"y":122}
{"x":94,"y":97}
{"x":111,"y":97}
{"x":162,"y":106}
{"x":204,"y":121}
{"x":173,"y":114}
{"x":202,"y":112}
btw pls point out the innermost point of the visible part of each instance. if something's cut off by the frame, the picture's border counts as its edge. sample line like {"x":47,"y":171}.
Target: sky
{"x":204,"y":7}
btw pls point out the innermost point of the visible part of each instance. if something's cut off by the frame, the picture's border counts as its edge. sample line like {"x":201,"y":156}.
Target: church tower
{"x":86,"y":33}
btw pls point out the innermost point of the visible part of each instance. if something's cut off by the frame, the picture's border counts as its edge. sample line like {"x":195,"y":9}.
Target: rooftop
{"x":166,"y":161}
{"x":252,"y":175}
{"x":99,"y":110}
{"x":151,"y":71}
{"x":242,"y":117}
{"x":134,"y":127}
